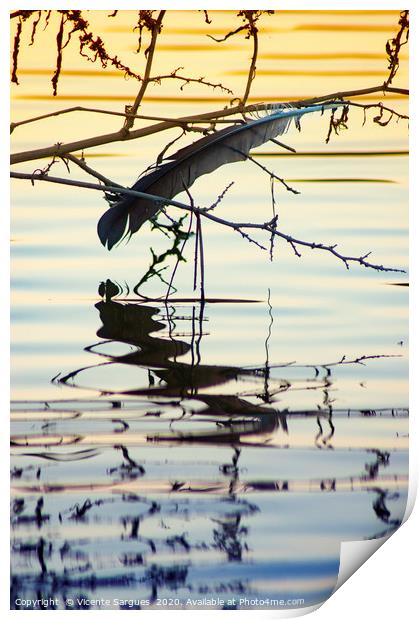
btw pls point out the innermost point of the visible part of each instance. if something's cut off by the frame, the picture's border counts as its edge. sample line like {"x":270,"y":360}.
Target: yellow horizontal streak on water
{"x":92,"y":154}
{"x":203,"y":30}
{"x":356,"y":13}
{"x":341,"y":181}
{"x":339,"y":12}
{"x":315,"y":72}
{"x":75,"y":72}
{"x":183,"y":99}
{"x":332,"y":154}
{"x":190,"y":47}
{"x":215,"y":486}
{"x":107,"y":72}
{"x":327,"y":56}
{"x":347,"y":27}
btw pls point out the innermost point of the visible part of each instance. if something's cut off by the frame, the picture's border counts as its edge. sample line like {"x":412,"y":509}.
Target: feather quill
{"x":181,"y":169}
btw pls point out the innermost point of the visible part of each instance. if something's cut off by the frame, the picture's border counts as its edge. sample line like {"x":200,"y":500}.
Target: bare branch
{"x":273,"y":175}
{"x":339,"y":95}
{"x":201,"y":254}
{"x":57,"y":71}
{"x":34,"y":27}
{"x":250,"y":239}
{"x":339,"y":123}
{"x":394,"y":45}
{"x":382,"y":108}
{"x":229,"y":34}
{"x":284,"y":146}
{"x":132,"y":110}
{"x":87,"y":42}
{"x":220,"y":197}
{"x":82,"y":164}
{"x":145,"y":21}
{"x":120,"y":136}
{"x":207,"y":19}
{"x":240,"y":227}
{"x":21,"y":14}
{"x":163,"y":152}
{"x":250,"y":18}
{"x":95,"y":45}
{"x":253,"y":32}
{"x":176,"y":122}
{"x":15,"y":54}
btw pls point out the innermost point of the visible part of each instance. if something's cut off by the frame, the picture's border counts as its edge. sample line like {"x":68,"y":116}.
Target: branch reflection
{"x":174,"y":503}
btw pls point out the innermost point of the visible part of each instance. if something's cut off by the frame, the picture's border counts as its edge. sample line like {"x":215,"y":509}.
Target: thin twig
{"x":175,"y":76}
{"x":201,"y":331}
{"x":195,"y":261}
{"x":272,"y":175}
{"x":15,"y":55}
{"x":201,"y":255}
{"x":60,"y":48}
{"x":220,"y":197}
{"x":382,"y":108}
{"x":339,"y":123}
{"x":132,"y":110}
{"x":274,"y":216}
{"x":197,"y":237}
{"x":284,"y":146}
{"x":82,"y":164}
{"x":252,"y":69}
{"x":163,"y":152}
{"x":229,"y":34}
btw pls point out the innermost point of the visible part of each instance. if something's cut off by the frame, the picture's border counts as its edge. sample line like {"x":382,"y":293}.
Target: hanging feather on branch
{"x":181,"y":169}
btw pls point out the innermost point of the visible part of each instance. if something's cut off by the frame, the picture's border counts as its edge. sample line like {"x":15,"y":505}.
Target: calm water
{"x":186,"y":451}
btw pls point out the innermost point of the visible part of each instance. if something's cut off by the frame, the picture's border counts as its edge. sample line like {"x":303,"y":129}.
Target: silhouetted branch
{"x":394,"y":45}
{"x":339,"y":123}
{"x":253,"y":32}
{"x":21,"y":14}
{"x":22,"y":17}
{"x":382,"y":108}
{"x":184,"y":122}
{"x":207,"y":19}
{"x":272,"y":175}
{"x":87,"y":41}
{"x":220,"y":197}
{"x":60,"y":149}
{"x":57,"y":71}
{"x":163,"y":152}
{"x":34,"y":27}
{"x":174,"y":75}
{"x":145,"y":21}
{"x":250,"y":18}
{"x":154,"y":25}
{"x":199,"y":248}
{"x":15,"y":54}
{"x":240,"y":227}
{"x":82,"y":164}
{"x":284,"y":146}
